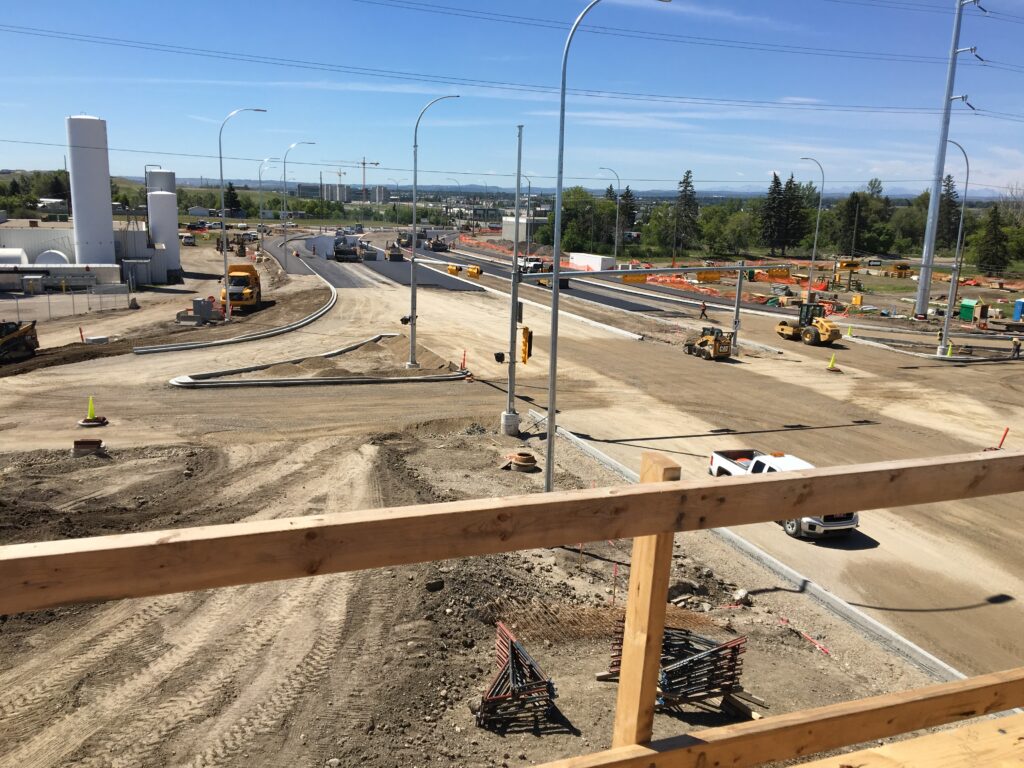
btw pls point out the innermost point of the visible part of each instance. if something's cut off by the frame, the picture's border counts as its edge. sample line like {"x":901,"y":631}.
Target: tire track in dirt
{"x":289,"y":685}
{"x":135,"y":741}
{"x":15,"y":699}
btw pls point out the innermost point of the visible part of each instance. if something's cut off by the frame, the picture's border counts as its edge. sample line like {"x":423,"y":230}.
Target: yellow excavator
{"x":18,"y":341}
{"x":811,"y":327}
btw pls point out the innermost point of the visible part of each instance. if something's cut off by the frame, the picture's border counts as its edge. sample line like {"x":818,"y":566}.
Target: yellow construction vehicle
{"x":18,"y":341}
{"x":811,"y":327}
{"x":711,"y":344}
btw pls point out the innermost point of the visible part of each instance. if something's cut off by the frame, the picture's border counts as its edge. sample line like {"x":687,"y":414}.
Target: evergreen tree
{"x":628,"y":208}
{"x":687,"y":227}
{"x":949,"y":214}
{"x":609,"y":194}
{"x":771,"y":214}
{"x":231,"y":201}
{"x":875,"y":187}
{"x":993,"y":253}
{"x":793,"y":221}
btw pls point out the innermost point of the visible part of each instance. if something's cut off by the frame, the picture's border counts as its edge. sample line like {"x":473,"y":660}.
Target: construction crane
{"x":365,"y":163}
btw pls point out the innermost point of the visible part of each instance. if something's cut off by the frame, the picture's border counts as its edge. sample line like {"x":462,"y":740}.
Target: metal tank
{"x":163,"y":228}
{"x":90,"y":190}
{"x":159,"y":180}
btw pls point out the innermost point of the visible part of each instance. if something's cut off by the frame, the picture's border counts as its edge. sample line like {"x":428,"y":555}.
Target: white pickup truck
{"x":751,"y":462}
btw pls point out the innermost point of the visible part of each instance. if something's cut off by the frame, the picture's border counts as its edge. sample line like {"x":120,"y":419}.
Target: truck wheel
{"x":792,"y":528}
{"x":811,"y":336}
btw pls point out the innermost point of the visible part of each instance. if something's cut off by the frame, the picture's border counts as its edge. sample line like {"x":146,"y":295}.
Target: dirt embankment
{"x":376,"y":668}
{"x":285,"y":309}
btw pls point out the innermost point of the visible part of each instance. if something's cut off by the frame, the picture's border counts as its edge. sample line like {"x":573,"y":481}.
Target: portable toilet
{"x":1018,"y":310}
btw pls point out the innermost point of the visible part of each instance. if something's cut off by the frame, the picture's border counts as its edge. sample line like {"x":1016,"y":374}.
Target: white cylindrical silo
{"x":52,"y":257}
{"x":163,"y":227}
{"x":161,"y":180}
{"x":90,"y":190}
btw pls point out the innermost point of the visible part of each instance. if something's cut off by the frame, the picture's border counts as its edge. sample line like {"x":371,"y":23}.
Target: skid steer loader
{"x":18,"y":341}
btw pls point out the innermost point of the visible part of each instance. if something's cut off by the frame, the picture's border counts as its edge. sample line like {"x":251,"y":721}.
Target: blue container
{"x":1018,"y":310}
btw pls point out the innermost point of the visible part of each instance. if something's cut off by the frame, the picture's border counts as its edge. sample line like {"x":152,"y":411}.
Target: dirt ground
{"x":378,"y":668}
{"x":371,"y":667}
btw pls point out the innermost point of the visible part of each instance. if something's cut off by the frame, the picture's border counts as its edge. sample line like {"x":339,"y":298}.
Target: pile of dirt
{"x":377,"y":359}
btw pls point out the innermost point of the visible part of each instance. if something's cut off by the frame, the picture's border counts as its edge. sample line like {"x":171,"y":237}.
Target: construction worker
{"x":1015,"y":351}
{"x":938,"y":336}
{"x":703,"y":311}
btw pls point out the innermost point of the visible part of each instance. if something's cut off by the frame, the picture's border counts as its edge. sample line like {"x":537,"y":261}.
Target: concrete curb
{"x":281,"y":329}
{"x":874,"y":629}
{"x":194,"y":380}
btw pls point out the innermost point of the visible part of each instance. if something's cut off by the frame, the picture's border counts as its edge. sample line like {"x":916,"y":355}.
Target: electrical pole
{"x":931,"y":228}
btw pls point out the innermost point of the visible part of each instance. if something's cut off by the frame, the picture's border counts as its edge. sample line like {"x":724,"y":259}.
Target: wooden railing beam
{"x":44,"y":575}
{"x":807,"y":732}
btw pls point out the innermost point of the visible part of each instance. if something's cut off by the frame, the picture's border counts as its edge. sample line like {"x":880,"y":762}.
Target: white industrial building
{"x":92,"y":252}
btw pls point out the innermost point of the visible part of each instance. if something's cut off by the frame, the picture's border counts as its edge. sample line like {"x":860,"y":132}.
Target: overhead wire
{"x":392,"y":169}
{"x":481,"y":83}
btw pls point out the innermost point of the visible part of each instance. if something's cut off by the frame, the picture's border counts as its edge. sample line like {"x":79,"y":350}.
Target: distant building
{"x":197,"y":210}
{"x":527,"y":227}
{"x":53,"y":205}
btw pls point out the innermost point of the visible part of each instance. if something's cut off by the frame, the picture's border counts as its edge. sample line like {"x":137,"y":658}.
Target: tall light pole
{"x":529,"y":218}
{"x":412,"y":262}
{"x":954,"y":277}
{"x":817,"y":227}
{"x":510,"y":419}
{"x":451,"y":218}
{"x":932,"y":226}
{"x":223,"y":223}
{"x":284,"y":175}
{"x":618,"y":191}
{"x":399,"y":196}
{"x":549,"y":464}
{"x":259,"y":225}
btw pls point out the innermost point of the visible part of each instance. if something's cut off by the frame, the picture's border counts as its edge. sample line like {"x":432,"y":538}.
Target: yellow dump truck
{"x":243,"y":286}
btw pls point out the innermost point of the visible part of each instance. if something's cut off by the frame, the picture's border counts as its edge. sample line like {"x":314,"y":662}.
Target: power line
{"x":479,"y":83}
{"x":495,"y":174}
{"x":714,"y":42}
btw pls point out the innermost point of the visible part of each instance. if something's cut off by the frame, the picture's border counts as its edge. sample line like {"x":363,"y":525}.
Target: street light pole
{"x":549,"y":464}
{"x":817,"y":226}
{"x":412,"y":262}
{"x":259,"y":225}
{"x":510,"y":419}
{"x":223,"y":223}
{"x":529,"y":218}
{"x":284,"y":175}
{"x":618,"y":192}
{"x":932,"y":226}
{"x":954,"y":277}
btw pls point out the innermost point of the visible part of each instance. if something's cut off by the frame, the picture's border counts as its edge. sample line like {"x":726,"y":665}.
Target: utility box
{"x":202,"y":309}
{"x":973,"y":310}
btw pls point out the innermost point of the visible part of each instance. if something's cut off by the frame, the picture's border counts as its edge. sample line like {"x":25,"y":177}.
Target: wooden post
{"x":645,"y":620}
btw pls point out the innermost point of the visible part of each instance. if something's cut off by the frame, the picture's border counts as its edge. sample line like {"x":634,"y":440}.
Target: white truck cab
{"x":751,"y":462}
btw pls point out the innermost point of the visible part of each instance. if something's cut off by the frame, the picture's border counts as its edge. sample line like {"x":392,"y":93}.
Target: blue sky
{"x":168,"y":102}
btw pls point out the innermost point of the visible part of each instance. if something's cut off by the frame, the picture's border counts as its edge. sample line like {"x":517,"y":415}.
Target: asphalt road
{"x":360,"y":273}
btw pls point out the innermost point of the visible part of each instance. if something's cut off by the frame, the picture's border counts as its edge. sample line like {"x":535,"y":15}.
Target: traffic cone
{"x":849,"y":330}
{"x":91,"y":419}
{"x":832,"y":365}
{"x":949,"y":350}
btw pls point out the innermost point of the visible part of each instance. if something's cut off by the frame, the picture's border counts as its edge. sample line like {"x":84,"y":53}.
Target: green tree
{"x":609,"y":194}
{"x":992,"y":252}
{"x":231,"y":201}
{"x":949,"y":214}
{"x":627,"y":208}
{"x":687,"y":211}
{"x":740,"y":231}
{"x":771,"y":215}
{"x":875,"y":187}
{"x":793,"y":221}
{"x":659,"y":231}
